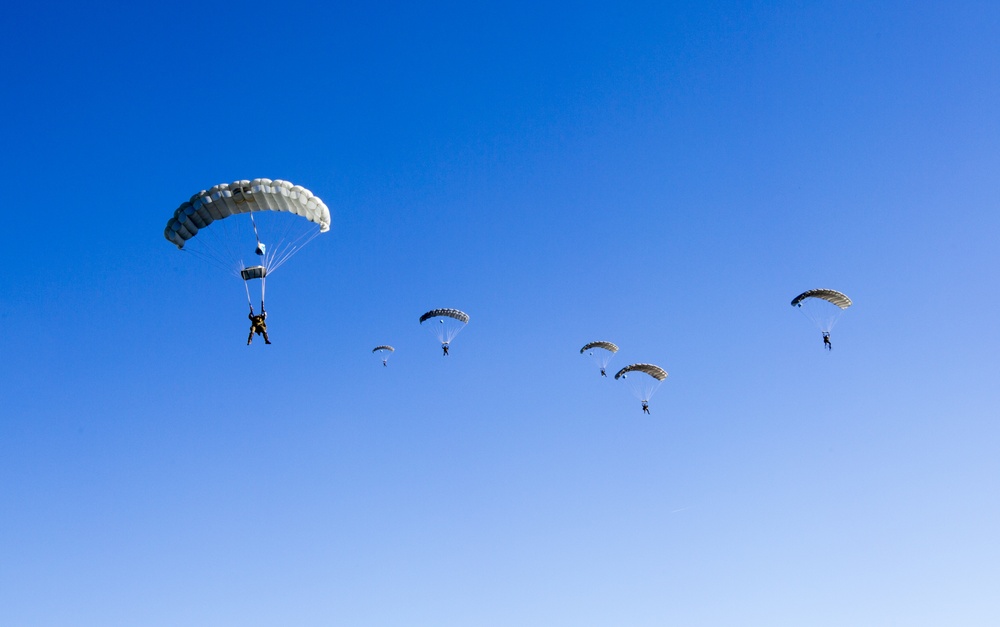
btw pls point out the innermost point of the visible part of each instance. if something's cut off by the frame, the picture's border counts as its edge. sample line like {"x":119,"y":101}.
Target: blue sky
{"x":666,"y":176}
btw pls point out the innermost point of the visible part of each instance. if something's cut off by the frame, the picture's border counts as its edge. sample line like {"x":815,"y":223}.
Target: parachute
{"x":445,"y":324}
{"x":608,"y":346}
{"x":383,"y":353}
{"x":643,"y":379}
{"x":600,"y":352}
{"x":822,"y":306}
{"x":831,"y":296}
{"x":248,"y":228}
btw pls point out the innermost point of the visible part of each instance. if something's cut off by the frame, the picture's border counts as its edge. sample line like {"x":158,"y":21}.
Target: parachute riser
{"x":253,"y":273}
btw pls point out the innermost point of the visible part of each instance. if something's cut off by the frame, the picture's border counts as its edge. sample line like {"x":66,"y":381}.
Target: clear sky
{"x":666,"y":176}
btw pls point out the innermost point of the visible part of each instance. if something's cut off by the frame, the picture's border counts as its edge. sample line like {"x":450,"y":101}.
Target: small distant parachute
{"x":445,"y":324}
{"x":822,"y":306}
{"x":600,"y":352}
{"x":383,"y":353}
{"x":248,"y":228}
{"x":643,"y":379}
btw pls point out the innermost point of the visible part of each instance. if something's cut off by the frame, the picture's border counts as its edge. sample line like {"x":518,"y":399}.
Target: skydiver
{"x":257,"y":325}
{"x":603,"y":374}
{"x":384,"y":364}
{"x":444,"y":347}
{"x":645,"y":407}
{"x":826,"y":341}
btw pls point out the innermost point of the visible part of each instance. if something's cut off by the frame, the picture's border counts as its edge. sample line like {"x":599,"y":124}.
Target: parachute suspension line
{"x":215,"y":245}
{"x":247,"y":288}
{"x":262,"y":286}
{"x":277,"y":256}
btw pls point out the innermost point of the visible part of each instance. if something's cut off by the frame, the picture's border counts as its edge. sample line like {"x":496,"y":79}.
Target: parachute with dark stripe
{"x":654,"y":371}
{"x":822,"y":306}
{"x":383,"y":352}
{"x":445,"y":324}
{"x":642,"y":379}
{"x":608,"y":346}
{"x":831,"y":296}
{"x":600,"y":352}
{"x":461,"y":316}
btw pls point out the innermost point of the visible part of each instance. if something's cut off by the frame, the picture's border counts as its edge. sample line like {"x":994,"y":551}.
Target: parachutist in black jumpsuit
{"x":826,"y":342}
{"x":603,"y":374}
{"x":645,"y":407}
{"x":258,"y":326}
{"x":444,"y":347}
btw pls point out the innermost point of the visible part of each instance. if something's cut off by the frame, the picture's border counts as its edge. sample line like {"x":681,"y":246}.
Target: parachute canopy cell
{"x":654,"y":371}
{"x":226,"y":200}
{"x":383,"y":348}
{"x":605,"y":345}
{"x":461,"y":316}
{"x":831,"y":296}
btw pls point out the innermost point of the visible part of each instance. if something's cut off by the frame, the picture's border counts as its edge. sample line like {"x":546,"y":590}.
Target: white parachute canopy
{"x":822,"y":306}
{"x":445,"y":324}
{"x":248,"y":228}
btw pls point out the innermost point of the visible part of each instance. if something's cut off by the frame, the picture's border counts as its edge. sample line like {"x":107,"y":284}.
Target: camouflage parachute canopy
{"x":605,"y":345}
{"x":831,"y":296}
{"x":383,"y":348}
{"x":654,"y":371}
{"x":461,"y":316}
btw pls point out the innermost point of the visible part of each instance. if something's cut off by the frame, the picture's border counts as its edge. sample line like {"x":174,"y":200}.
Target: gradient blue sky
{"x":663,"y":175}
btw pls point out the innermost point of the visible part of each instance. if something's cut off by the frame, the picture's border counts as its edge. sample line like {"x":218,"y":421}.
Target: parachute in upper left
{"x":601,"y":352}
{"x":248,"y":228}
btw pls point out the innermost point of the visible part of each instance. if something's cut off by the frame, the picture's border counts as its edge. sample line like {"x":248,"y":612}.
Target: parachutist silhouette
{"x":645,"y":407}
{"x":444,"y":347}
{"x":257,"y":325}
{"x":603,"y":374}
{"x":826,"y":341}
